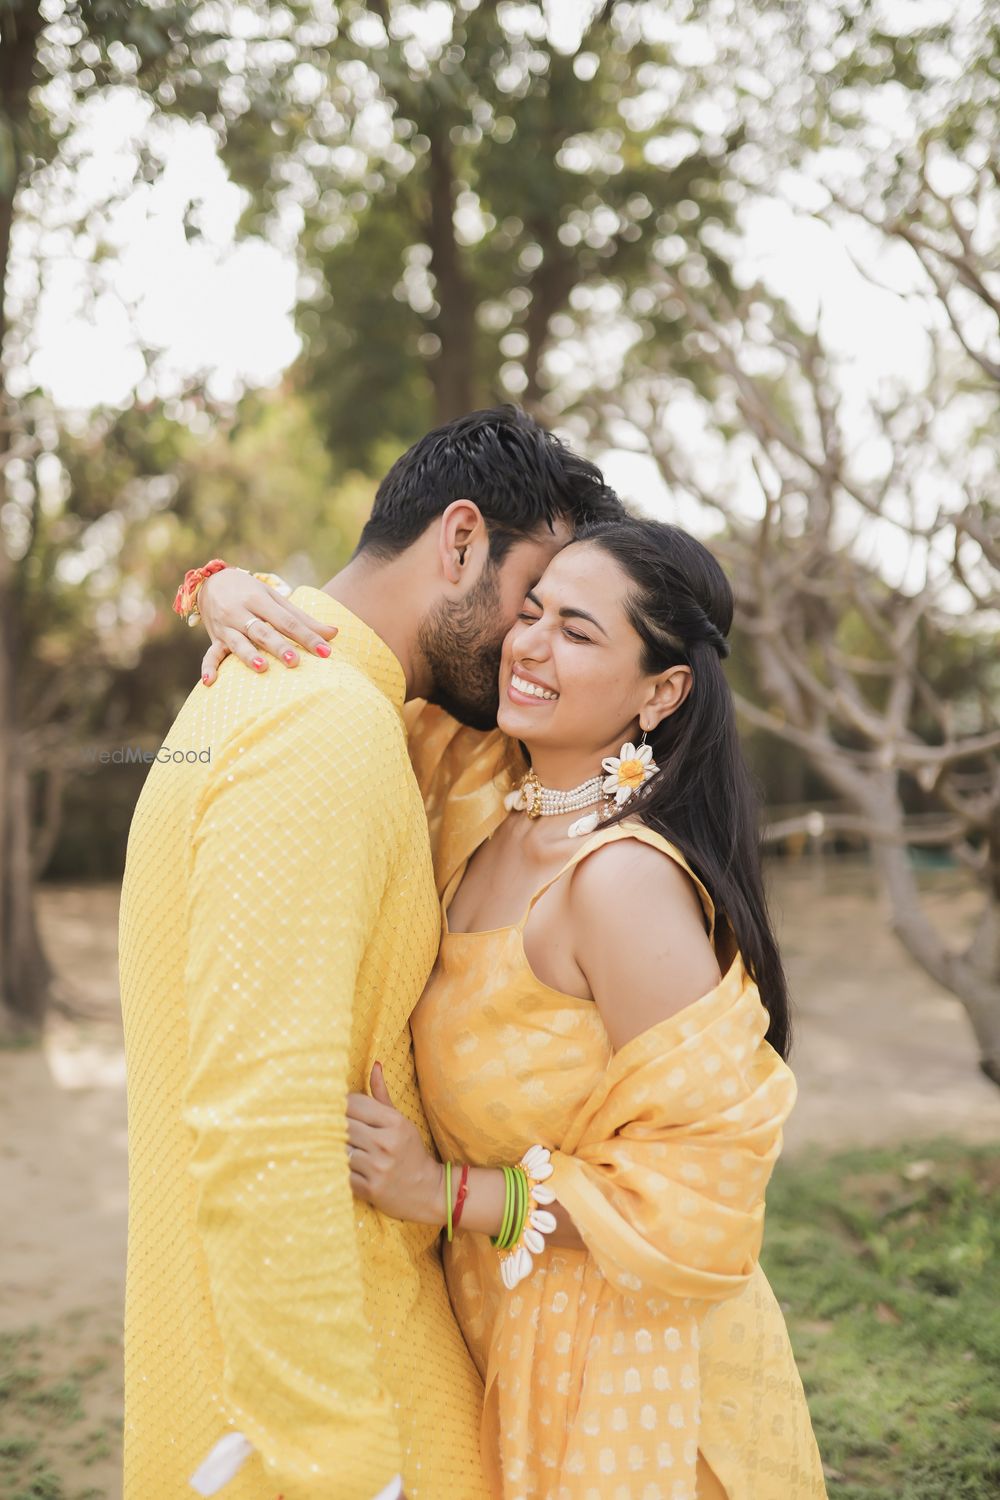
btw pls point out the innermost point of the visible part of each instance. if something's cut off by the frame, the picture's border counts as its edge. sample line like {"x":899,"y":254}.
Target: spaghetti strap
{"x":630,"y":829}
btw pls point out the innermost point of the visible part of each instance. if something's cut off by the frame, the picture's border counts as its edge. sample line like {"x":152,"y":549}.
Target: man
{"x":279,"y":920}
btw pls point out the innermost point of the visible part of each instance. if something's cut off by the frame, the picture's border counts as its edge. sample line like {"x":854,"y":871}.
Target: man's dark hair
{"x":520,"y":476}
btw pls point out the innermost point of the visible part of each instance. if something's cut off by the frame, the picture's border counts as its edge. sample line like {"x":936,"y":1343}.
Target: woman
{"x":609,"y":1018}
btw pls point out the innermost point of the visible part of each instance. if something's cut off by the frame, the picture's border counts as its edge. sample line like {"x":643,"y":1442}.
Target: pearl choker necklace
{"x":542,"y":802}
{"x":622,"y":776}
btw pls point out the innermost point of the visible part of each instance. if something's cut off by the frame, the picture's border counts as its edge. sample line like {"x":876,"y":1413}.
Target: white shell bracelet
{"x":517,"y":1261}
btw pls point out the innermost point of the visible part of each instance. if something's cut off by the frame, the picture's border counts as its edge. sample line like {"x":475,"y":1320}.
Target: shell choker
{"x":623,"y":775}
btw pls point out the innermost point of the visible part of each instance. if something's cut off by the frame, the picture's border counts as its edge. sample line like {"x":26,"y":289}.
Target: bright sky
{"x":213,"y":306}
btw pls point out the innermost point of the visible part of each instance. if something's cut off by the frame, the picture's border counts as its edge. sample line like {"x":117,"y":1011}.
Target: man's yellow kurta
{"x":278,"y":923}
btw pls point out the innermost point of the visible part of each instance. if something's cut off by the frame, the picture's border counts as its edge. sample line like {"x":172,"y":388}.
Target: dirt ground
{"x":882,"y":1057}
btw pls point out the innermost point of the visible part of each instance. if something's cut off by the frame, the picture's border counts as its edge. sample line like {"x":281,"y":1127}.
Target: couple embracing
{"x":455,"y":1024}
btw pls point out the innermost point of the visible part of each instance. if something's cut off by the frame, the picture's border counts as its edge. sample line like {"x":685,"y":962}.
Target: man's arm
{"x":289,"y":861}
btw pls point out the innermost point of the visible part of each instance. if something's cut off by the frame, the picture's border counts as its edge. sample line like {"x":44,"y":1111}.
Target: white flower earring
{"x":630,"y":770}
{"x":624,"y":774}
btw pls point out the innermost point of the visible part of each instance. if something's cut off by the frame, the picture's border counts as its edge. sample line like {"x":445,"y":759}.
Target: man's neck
{"x":382,"y":595}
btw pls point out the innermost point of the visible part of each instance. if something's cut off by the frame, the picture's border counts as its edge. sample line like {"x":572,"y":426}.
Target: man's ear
{"x":461,"y":532}
{"x":669,"y":692}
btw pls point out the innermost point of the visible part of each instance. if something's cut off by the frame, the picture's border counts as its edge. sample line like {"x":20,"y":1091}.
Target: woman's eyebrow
{"x":568,"y":613}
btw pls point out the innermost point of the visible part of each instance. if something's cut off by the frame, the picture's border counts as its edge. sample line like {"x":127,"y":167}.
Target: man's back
{"x":278,"y":924}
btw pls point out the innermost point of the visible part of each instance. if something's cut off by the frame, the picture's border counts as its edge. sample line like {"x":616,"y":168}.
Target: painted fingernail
{"x":205,"y":678}
{"x":323,"y":649}
{"x":258,"y":662}
{"x":288,"y":656}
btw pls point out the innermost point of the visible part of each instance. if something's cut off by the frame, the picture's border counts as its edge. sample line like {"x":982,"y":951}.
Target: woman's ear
{"x":669,"y":691}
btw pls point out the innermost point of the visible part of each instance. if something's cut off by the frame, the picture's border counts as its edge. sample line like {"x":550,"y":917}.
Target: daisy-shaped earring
{"x":630,"y":770}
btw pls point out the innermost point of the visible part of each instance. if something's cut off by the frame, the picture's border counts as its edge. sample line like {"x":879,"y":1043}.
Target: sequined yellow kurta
{"x":655,"y":1365}
{"x":278,"y":922}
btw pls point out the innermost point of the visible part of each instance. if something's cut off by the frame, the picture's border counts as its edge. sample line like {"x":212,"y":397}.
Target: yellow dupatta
{"x":664,"y":1168}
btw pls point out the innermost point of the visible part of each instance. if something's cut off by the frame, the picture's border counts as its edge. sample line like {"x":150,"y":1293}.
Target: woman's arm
{"x":228,"y":599}
{"x":391,"y":1170}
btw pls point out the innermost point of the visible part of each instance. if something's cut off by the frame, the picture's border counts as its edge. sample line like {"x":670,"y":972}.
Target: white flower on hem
{"x":628,"y":771}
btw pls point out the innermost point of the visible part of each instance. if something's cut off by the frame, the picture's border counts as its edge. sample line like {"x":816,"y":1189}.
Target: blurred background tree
{"x":863,"y":537}
{"x":482,"y":205}
{"x":79,"y":499}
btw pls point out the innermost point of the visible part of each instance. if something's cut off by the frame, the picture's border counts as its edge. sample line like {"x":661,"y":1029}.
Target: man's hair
{"x":520,"y":476}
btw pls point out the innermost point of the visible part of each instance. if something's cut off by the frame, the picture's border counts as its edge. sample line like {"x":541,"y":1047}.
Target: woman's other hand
{"x":226,"y":601}
{"x":390,"y":1167}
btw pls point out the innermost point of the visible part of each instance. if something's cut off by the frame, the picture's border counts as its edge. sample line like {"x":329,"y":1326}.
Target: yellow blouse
{"x":278,"y":922}
{"x":620,"y":1372}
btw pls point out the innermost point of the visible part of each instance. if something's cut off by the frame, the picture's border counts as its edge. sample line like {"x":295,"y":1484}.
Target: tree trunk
{"x":972,"y":977}
{"x":452,"y":371}
{"x":550,"y":287}
{"x":24,"y":971}
{"x":21,"y":27}
{"x":25,"y":975}
{"x":561,"y":268}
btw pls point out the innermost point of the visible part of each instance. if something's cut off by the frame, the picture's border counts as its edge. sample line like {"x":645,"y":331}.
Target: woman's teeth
{"x":531,"y":688}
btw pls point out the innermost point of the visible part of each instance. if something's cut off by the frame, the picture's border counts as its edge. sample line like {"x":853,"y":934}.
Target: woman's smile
{"x":525,"y":689}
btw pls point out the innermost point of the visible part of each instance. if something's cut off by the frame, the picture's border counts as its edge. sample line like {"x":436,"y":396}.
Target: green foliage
{"x":471,"y":205}
{"x":479,"y":216}
{"x":886,"y":1264}
{"x":108,"y":520}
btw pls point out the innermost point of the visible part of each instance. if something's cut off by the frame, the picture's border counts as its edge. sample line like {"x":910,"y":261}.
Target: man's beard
{"x":461,"y":647}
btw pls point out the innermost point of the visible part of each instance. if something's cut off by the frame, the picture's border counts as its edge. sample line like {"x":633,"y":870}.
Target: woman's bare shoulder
{"x":638,"y":934}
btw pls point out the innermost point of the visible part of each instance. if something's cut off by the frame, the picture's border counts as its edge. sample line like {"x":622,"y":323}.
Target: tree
{"x":868,"y":561}
{"x":24,"y":971}
{"x":392,"y":162}
{"x":52,"y":57}
{"x":469,"y":197}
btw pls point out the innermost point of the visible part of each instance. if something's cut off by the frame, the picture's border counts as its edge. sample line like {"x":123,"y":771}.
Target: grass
{"x":887,"y":1264}
{"x":45,"y":1442}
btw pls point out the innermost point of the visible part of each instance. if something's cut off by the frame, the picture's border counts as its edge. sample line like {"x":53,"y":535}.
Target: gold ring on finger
{"x":253,"y":620}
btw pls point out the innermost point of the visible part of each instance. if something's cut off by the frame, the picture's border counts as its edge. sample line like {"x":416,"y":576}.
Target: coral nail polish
{"x":323,"y":650}
{"x":288,"y":656}
{"x":258,"y":662}
{"x":204,"y":678}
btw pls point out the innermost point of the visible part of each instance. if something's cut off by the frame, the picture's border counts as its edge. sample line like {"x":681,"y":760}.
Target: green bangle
{"x":447,"y":1195}
{"x":511,"y":1207}
{"x":522,"y":1205}
{"x":498,"y":1240}
{"x":516,"y":1209}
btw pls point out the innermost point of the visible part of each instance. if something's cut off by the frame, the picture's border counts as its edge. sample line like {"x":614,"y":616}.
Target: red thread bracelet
{"x":463,"y":1189}
{"x":193,"y":579}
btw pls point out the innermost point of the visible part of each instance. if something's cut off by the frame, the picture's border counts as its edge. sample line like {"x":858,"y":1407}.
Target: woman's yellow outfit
{"x":655,"y":1365}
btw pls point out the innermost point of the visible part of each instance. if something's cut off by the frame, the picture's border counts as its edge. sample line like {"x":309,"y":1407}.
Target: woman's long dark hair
{"x":703,"y":797}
